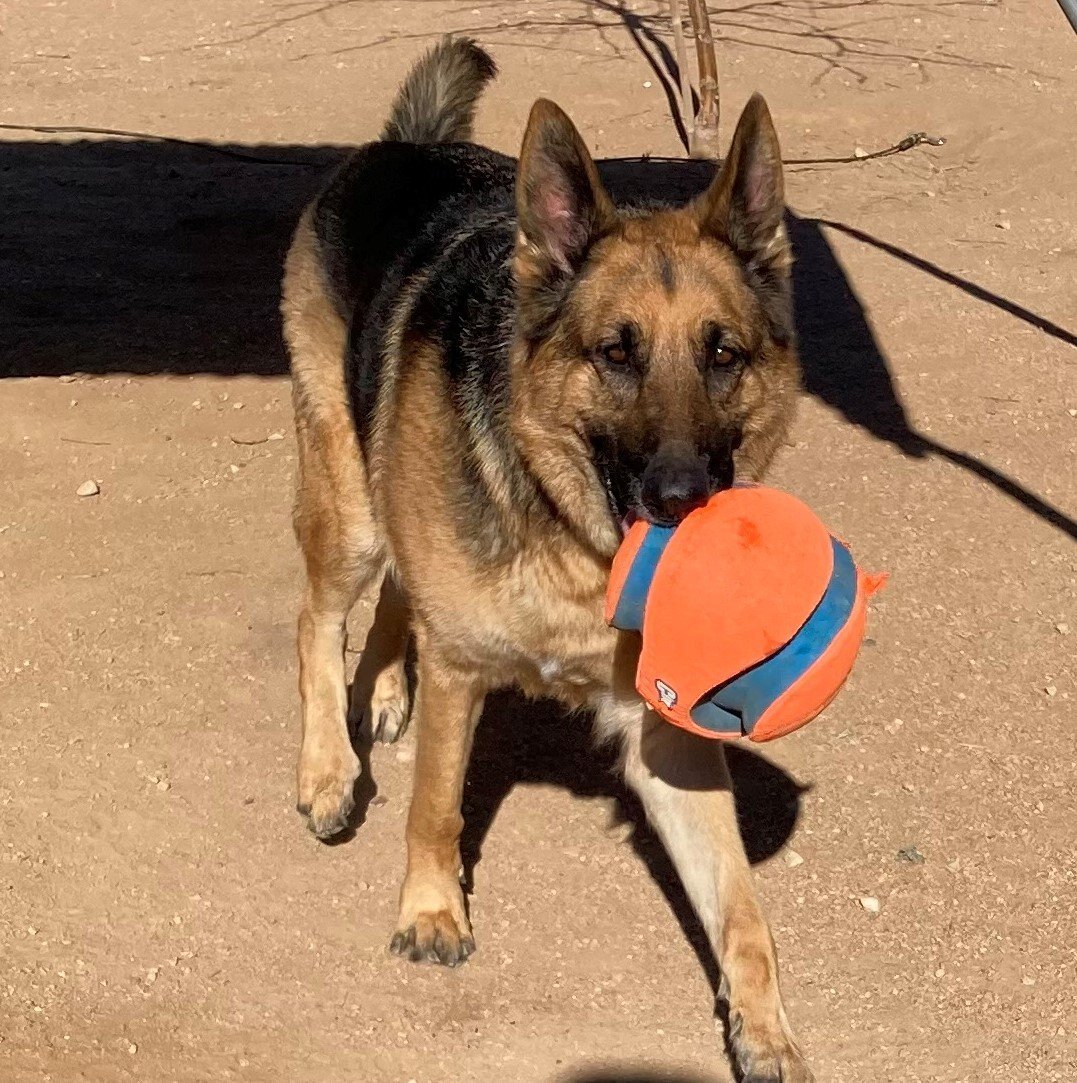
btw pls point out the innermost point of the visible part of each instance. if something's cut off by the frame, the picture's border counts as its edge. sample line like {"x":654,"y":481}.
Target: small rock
{"x":68,"y":378}
{"x":870,"y":904}
{"x":1051,"y":690}
{"x":275,"y":436}
{"x":792,"y":859}
{"x":248,"y":800}
{"x":1072,"y":413}
{"x":1062,"y":629}
{"x":132,"y":1049}
{"x":859,"y":152}
{"x":88,"y":488}
{"x":1004,"y":224}
{"x":911,"y":855}
{"x":940,"y":971}
{"x":647,"y":85}
{"x":164,"y":785}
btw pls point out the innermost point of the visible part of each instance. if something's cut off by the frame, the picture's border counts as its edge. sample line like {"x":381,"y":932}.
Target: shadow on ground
{"x":537,"y":743}
{"x":630,"y":1074}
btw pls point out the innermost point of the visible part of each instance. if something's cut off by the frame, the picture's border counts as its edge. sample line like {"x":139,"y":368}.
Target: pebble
{"x":870,"y":904}
{"x":911,"y":854}
{"x":164,"y":785}
{"x":859,"y":152}
{"x":792,"y":859}
{"x":132,"y":1049}
{"x":1062,"y":629}
{"x":88,"y":488}
{"x":1051,"y":690}
{"x":1004,"y":224}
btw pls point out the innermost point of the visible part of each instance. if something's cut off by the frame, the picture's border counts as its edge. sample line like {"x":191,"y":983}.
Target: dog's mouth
{"x":621,"y":486}
{"x":622,"y":477}
{"x":623,"y":514}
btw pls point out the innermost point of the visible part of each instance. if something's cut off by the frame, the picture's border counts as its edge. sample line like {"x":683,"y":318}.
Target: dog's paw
{"x":765,"y":1057}
{"x":327,"y":791}
{"x":388,"y":711}
{"x":433,"y":925}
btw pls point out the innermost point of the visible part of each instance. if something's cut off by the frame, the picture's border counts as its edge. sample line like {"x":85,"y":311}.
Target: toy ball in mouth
{"x":751,"y":614}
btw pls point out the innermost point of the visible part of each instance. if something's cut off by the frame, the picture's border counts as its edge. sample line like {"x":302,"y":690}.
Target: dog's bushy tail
{"x":437,"y":102}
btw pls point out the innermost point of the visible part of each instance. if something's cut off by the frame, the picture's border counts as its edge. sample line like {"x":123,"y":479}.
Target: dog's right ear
{"x":561,"y":205}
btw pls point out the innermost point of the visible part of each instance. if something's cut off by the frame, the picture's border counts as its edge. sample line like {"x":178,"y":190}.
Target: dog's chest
{"x":539,"y":631}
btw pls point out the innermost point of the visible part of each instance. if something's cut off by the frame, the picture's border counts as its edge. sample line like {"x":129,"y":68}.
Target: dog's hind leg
{"x":380,"y":691}
{"x":334,"y":522}
{"x":684,"y":785}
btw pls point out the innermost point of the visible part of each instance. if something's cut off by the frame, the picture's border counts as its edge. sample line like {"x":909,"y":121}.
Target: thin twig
{"x":687,"y":104}
{"x":119,"y":133}
{"x":913,"y":139}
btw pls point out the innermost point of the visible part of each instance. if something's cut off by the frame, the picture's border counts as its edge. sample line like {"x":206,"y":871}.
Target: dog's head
{"x":655,"y":357}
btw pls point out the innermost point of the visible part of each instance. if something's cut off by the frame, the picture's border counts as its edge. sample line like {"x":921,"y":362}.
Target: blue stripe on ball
{"x":628,"y":616}
{"x":737,"y":705}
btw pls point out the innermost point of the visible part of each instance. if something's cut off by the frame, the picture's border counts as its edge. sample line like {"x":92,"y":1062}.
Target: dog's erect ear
{"x":561,"y":205}
{"x":745,"y":203}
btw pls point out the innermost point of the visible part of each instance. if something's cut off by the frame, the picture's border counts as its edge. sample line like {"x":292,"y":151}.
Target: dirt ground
{"x":164,"y":915}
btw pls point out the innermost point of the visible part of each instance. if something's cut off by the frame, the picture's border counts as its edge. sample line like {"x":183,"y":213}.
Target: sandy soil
{"x":165,"y":917}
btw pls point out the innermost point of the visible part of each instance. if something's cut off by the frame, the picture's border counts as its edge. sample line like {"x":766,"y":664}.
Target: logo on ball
{"x":666,"y":694}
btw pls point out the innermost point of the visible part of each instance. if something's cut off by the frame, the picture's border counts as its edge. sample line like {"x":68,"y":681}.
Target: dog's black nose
{"x":674,"y":483}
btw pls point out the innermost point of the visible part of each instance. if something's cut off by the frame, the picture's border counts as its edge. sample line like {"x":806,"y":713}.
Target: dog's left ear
{"x":745,"y":204}
{"x":561,"y":205}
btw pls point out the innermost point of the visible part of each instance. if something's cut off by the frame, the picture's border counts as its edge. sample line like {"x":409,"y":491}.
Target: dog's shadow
{"x":521,"y":742}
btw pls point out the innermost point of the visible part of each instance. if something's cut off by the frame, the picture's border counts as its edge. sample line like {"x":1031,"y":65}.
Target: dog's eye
{"x":619,"y":351}
{"x":718,"y":352}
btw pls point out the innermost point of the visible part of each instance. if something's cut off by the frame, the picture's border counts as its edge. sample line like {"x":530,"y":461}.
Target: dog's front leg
{"x":686,"y":792}
{"x":433,"y":923}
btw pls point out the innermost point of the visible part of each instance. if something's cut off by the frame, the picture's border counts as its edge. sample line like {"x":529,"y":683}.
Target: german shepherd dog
{"x":494,"y":364}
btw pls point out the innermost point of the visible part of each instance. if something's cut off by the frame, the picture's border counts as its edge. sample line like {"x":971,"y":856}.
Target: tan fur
{"x":533,"y":621}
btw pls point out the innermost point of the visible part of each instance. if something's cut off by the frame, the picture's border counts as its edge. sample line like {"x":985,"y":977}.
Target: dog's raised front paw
{"x":327,"y":791}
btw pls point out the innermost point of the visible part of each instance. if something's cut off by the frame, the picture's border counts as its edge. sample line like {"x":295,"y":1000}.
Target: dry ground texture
{"x":165,"y":917}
